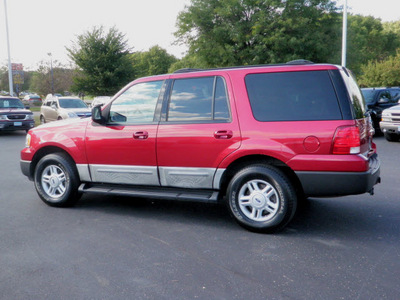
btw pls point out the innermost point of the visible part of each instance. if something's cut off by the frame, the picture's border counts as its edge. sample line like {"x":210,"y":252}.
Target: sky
{"x":39,"y":27}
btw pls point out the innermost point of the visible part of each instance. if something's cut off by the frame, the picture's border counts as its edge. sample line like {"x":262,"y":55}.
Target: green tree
{"x":103,"y":60}
{"x":393,"y":27}
{"x":368,"y":41}
{"x":153,"y":62}
{"x":41,"y":79}
{"x":191,"y":61}
{"x":240,"y":32}
{"x":381,"y":73}
{"x":21,"y":87}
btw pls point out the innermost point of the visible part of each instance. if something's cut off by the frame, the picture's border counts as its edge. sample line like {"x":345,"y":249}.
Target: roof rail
{"x":187,"y":70}
{"x":299,"y":62}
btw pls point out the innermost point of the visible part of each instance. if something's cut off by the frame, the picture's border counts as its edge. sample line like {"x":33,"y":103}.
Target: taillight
{"x":346,"y":140}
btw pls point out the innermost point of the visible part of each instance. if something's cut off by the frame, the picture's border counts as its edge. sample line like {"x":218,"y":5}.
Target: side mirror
{"x":97,"y":117}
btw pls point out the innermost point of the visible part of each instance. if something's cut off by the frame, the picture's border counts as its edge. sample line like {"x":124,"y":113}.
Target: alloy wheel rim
{"x":54,"y":181}
{"x":258,"y":200}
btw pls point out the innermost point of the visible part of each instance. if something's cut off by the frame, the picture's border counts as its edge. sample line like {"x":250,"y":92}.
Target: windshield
{"x":368,"y":95}
{"x":11,"y":103}
{"x":72,"y":103}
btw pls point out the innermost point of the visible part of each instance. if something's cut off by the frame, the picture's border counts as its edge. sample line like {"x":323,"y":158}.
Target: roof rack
{"x":187,"y":70}
{"x":299,"y":62}
{"x":293,"y":62}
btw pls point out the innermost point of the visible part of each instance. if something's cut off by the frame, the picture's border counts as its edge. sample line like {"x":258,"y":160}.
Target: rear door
{"x":197,"y":131}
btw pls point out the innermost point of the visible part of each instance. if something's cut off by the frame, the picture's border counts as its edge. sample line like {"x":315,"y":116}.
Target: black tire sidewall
{"x":282,"y":186}
{"x":70,"y":195}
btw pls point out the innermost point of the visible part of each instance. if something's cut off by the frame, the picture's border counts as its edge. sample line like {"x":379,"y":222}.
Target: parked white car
{"x":59,"y":108}
{"x":100,"y":100}
{"x":390,"y":124}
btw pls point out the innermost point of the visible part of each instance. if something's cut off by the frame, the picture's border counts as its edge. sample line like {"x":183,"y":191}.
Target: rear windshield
{"x":293,"y":96}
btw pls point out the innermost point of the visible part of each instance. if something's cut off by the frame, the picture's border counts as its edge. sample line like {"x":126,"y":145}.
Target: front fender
{"x":68,"y":136}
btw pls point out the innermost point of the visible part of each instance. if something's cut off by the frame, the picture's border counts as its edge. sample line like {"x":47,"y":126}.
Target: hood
{"x":64,"y":123}
{"x":15,"y":110}
{"x":393,"y":108}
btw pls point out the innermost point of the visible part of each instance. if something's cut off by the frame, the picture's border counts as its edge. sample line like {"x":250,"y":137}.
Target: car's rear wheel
{"x":261,"y":198}
{"x":57,"y":180}
{"x":42,"y":120}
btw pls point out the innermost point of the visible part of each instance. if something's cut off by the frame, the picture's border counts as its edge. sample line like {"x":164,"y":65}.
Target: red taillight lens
{"x":346,"y":140}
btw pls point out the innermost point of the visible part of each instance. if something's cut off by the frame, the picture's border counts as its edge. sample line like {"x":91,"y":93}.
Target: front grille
{"x":16,"y":117}
{"x":84,"y":115}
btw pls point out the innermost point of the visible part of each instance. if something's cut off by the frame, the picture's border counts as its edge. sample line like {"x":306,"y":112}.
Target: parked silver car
{"x":59,"y":108}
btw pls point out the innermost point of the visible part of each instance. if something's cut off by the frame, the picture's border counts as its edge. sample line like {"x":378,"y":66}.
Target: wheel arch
{"x":45,"y":151}
{"x":255,"y":159}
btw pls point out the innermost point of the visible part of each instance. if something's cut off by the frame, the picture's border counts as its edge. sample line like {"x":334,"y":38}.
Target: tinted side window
{"x":198,"y":99}
{"x":392,"y":96}
{"x":221,"y":108}
{"x":395,"y":95}
{"x":137,"y":104}
{"x":293,"y":96}
{"x":355,"y":94}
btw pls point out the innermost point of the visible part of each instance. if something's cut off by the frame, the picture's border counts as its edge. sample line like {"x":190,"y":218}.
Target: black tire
{"x":391,"y":137}
{"x":57,"y":181}
{"x":261,"y":198}
{"x":42,"y":120}
{"x":59,"y":118}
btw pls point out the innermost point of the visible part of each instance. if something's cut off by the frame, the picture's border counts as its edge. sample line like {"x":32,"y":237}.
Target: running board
{"x":151,"y":192}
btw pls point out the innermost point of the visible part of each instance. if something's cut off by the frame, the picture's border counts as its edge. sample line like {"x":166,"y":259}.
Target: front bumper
{"x":17,"y":125}
{"x":331,"y":184}
{"x":26,"y":168}
{"x":390,"y":127}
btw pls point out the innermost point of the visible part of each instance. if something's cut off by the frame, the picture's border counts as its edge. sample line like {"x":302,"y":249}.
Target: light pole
{"x":52,"y":75}
{"x":344,"y":34}
{"x":10,"y":81}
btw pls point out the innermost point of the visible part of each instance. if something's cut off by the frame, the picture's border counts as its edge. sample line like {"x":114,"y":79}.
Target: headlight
{"x":385,"y":119}
{"x":28,"y":141}
{"x":3,"y":117}
{"x":29,"y":117}
{"x":72,"y":115}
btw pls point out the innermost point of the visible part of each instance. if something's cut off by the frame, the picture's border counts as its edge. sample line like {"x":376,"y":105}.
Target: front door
{"x":124,"y":150}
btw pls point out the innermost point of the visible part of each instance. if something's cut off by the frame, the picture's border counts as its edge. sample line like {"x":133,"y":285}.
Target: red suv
{"x":258,"y":138}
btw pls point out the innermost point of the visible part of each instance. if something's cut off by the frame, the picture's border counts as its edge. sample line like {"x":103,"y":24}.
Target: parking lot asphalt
{"x":123,"y":248}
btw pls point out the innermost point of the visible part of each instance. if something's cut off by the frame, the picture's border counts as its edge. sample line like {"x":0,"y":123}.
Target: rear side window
{"x":200,"y":99}
{"x":292,"y":96}
{"x":355,"y":94}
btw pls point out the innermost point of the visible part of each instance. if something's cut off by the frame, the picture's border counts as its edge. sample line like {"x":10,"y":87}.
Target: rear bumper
{"x":331,"y":184}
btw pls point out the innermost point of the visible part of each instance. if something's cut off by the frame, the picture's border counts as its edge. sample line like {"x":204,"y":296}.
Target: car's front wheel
{"x":261,"y":198}
{"x":57,"y":180}
{"x":391,"y":137}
